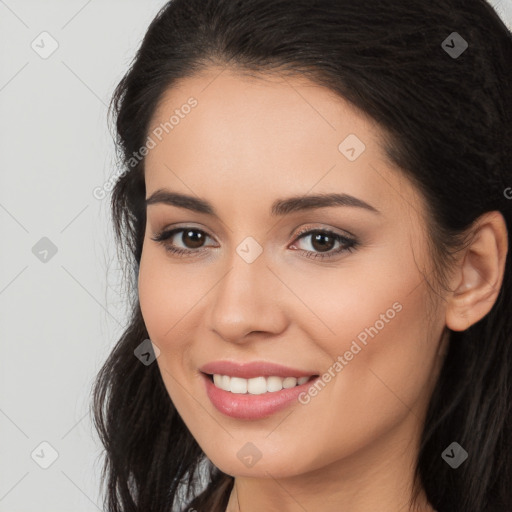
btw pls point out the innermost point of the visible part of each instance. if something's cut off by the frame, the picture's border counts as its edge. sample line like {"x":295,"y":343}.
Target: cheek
{"x":168,"y":295}
{"x":379,"y":328}
{"x":164,"y":308}
{"x":388,"y":356}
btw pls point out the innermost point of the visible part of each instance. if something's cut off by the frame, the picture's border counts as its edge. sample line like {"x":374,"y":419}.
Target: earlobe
{"x":477,"y":282}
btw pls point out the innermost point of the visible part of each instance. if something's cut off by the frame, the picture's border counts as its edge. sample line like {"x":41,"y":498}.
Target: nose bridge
{"x":246,"y":283}
{"x":245,"y":298}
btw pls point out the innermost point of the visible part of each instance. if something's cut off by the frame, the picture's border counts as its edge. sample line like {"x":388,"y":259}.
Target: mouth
{"x":255,"y":398}
{"x":257,"y":385}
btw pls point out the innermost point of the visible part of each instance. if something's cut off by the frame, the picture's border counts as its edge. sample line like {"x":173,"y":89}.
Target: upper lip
{"x":253,"y":369}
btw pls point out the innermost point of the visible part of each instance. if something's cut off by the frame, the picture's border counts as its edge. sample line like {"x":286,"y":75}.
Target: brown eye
{"x":192,"y":239}
{"x":323,"y":241}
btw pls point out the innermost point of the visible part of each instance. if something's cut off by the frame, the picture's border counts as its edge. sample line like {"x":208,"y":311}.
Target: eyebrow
{"x":279,"y":207}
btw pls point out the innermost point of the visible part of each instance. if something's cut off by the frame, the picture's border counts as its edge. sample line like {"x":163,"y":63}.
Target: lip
{"x":253,"y":369}
{"x":253,"y":407}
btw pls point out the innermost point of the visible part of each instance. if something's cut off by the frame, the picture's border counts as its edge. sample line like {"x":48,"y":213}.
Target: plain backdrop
{"x":62,"y":299}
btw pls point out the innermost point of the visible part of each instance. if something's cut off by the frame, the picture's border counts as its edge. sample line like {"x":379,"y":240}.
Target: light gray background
{"x":60,"y":318}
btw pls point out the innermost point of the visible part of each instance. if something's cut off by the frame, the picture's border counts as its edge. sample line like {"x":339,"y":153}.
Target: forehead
{"x":266,"y":134}
{"x":236,"y":111}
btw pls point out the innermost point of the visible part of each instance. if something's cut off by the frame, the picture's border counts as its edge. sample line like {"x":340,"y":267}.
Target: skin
{"x":250,"y":141}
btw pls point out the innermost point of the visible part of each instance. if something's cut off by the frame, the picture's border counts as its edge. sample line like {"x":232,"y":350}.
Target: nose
{"x":249,"y":298}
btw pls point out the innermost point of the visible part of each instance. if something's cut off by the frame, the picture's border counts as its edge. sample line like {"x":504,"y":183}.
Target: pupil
{"x":198,"y":238}
{"x":319,"y":236}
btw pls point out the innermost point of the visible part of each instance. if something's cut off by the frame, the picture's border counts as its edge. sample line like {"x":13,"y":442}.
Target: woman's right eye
{"x":192,"y":236}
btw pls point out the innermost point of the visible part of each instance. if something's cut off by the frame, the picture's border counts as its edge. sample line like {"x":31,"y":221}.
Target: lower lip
{"x":252,"y":407}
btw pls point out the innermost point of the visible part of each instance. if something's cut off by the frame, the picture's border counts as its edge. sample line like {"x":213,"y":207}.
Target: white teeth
{"x":256,"y":385}
{"x":237,"y":385}
{"x":274,"y":384}
{"x":289,"y":382}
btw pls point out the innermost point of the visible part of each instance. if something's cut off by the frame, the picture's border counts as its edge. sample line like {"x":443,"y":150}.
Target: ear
{"x":477,"y":281}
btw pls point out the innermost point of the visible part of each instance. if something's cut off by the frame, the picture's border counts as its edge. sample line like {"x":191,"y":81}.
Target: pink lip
{"x":253,"y":369}
{"x":252,"y":407}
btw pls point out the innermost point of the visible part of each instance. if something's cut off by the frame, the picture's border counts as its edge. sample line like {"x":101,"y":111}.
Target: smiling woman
{"x":320,"y":256}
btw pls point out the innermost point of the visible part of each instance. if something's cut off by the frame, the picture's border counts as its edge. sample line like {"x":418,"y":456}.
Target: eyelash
{"x":349,"y":244}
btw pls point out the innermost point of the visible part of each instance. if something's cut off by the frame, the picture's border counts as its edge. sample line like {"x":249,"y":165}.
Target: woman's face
{"x":268,"y":281}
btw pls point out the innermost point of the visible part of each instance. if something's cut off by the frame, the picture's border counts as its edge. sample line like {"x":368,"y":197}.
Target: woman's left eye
{"x":322,"y":240}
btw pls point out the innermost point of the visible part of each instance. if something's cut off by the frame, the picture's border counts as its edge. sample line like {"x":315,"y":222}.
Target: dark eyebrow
{"x":279,"y":207}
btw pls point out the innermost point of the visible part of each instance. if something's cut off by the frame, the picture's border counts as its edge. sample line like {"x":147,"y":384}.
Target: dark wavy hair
{"x":447,"y":122}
